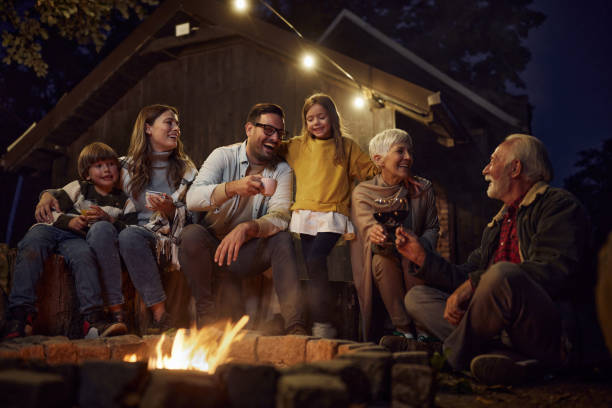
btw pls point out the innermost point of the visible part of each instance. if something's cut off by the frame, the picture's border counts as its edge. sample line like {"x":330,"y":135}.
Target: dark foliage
{"x":592,"y":184}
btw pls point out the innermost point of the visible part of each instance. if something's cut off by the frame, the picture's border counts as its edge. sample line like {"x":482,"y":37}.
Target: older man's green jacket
{"x":554,"y":236}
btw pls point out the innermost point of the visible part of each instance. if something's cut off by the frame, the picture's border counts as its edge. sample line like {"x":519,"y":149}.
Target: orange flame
{"x":194,"y":349}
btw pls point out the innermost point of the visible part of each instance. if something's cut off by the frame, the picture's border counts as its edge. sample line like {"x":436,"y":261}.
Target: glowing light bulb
{"x":240,"y":5}
{"x":308,"y":61}
{"x":359,"y":102}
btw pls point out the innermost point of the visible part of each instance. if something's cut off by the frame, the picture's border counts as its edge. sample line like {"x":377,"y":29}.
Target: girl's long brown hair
{"x":337,"y":127}
{"x":139,"y":153}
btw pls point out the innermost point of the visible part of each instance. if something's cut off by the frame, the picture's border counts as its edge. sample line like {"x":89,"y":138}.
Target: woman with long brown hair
{"x":156,"y":174}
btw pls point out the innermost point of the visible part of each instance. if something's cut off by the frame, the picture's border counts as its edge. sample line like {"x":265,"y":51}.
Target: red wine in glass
{"x":390,"y":220}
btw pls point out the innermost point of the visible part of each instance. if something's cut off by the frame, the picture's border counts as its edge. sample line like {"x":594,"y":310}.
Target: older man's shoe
{"x":500,"y":369}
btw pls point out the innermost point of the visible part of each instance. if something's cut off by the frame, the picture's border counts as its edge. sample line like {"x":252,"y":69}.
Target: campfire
{"x":202,"y":350}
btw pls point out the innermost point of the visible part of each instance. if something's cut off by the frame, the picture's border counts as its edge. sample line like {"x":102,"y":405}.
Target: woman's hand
{"x":78,"y":223}
{"x":45,"y":206}
{"x":377,"y":234}
{"x":162,"y":203}
{"x":95,"y":214}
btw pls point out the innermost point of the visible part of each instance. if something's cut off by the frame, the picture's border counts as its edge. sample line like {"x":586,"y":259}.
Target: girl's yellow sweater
{"x":322,"y":185}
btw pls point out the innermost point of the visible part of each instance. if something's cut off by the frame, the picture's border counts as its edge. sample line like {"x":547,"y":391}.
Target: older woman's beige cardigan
{"x":423,"y":221}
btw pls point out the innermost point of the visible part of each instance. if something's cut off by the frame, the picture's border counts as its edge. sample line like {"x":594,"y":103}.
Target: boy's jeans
{"x":39,"y":242}
{"x":102,"y":238}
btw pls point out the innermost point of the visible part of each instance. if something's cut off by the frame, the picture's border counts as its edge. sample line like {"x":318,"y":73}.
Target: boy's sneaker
{"x":96,"y":325}
{"x":158,"y":327}
{"x":493,"y":369}
{"x":19,"y":324}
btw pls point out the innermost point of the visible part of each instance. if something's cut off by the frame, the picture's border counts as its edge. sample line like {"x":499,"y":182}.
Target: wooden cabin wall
{"x":213,"y":89}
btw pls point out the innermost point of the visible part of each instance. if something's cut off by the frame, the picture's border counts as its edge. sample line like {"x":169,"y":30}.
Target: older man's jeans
{"x":196,"y":251}
{"x":40,"y":242}
{"x":506,"y":299}
{"x":136,"y":246}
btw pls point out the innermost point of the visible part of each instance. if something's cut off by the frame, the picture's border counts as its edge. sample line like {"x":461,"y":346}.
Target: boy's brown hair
{"x":93,"y":153}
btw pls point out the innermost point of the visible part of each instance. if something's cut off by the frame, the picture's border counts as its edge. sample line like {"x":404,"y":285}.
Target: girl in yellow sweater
{"x":325,"y":165}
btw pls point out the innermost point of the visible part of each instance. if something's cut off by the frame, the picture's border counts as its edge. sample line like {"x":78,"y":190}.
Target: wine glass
{"x":390,"y":213}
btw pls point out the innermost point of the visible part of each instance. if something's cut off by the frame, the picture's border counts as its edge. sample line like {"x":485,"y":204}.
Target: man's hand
{"x":412,"y":185}
{"x":231,"y":243}
{"x":244,"y":187}
{"x":78,"y":223}
{"x":45,"y":206}
{"x":409,"y":247}
{"x":457,"y":303}
{"x":95,"y":214}
{"x":162,"y":203}
{"x":377,"y":234}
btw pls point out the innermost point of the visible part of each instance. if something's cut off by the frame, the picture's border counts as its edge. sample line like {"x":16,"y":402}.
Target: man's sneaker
{"x":297,"y":329}
{"x":159,"y":326}
{"x":500,"y":369}
{"x":324,"y":330}
{"x":273,"y":327}
{"x":19,"y":324}
{"x":404,"y":343}
{"x":96,"y":325}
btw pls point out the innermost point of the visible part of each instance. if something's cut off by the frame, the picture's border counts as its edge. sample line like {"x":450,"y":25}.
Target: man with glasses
{"x":243,"y":231}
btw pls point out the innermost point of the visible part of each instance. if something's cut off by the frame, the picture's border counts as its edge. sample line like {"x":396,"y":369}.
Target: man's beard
{"x":498,"y":188}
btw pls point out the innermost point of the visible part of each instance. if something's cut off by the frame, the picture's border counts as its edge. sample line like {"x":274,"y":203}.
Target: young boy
{"x":91,"y":212}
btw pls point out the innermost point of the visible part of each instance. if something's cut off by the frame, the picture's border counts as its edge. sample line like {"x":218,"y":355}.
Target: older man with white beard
{"x":505,"y":300}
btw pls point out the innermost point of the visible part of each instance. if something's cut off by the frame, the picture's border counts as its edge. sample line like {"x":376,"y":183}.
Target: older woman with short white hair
{"x":373,"y":257}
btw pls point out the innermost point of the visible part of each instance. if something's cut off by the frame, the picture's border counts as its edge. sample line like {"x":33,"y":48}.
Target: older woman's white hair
{"x":382,"y":142}
{"x":530,"y":151}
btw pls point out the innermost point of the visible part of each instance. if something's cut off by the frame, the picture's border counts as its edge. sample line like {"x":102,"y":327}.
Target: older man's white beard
{"x":498,"y":188}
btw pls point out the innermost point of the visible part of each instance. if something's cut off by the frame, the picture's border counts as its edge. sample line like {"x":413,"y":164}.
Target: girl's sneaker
{"x":324,"y":330}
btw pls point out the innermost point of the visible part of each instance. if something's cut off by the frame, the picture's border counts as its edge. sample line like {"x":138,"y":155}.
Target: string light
{"x":359,"y":102}
{"x":308,"y":61}
{"x":240,"y":5}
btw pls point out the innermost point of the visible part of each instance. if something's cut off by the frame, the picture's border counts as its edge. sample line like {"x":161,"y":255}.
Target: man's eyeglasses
{"x":269,"y":130}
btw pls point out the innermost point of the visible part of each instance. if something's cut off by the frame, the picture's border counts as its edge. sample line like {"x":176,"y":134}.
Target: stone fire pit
{"x":265,"y":371}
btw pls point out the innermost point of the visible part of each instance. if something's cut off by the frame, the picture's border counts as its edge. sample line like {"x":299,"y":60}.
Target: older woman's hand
{"x":377,"y":234}
{"x":162,"y":203}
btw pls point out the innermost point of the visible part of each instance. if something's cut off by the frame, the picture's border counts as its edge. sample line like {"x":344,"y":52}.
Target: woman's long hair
{"x":139,"y":153}
{"x":337,"y":126}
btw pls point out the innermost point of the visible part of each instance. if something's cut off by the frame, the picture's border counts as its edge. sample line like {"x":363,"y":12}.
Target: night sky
{"x":568,"y":79}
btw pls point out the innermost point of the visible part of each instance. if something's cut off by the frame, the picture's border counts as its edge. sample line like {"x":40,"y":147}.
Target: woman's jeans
{"x":315,"y":249}
{"x":32,"y":251}
{"x":136,"y":245}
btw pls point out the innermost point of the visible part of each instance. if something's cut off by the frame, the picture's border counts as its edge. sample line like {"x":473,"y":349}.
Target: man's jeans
{"x":136,"y":245}
{"x":506,"y":299}
{"x":32,"y":251}
{"x":197,"y":247}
